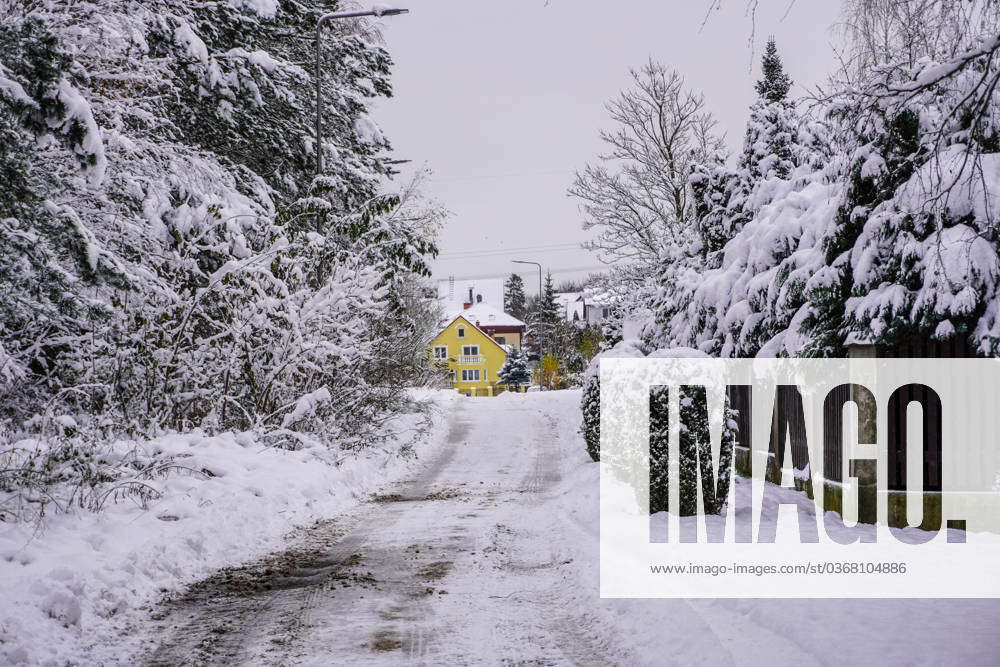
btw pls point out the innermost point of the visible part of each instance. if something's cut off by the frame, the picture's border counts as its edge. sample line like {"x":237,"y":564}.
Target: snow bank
{"x":73,"y":587}
{"x":727,"y":631}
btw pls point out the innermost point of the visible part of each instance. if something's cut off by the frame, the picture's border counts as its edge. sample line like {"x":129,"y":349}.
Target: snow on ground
{"x":80,"y":584}
{"x":757,"y":631}
{"x":485,"y":553}
{"x":489,"y":555}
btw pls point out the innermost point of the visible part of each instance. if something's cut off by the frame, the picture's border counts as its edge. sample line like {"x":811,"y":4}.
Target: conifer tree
{"x":774,"y":83}
{"x":178,"y":263}
{"x":545,"y":318}
{"x":767,"y":149}
{"x":590,"y":405}
{"x":515,"y":371}
{"x":514,"y":300}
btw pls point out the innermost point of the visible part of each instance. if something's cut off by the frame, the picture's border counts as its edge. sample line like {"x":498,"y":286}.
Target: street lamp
{"x":540,"y":337}
{"x":518,"y":261}
{"x":319,"y":72}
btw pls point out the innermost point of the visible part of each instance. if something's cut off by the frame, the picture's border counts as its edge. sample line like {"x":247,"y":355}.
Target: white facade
{"x":572,"y":306}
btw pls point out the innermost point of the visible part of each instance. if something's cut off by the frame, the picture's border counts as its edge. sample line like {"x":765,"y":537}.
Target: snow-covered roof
{"x":597,"y":297}
{"x":487,"y":315}
{"x":484,"y":291}
{"x":571,"y":302}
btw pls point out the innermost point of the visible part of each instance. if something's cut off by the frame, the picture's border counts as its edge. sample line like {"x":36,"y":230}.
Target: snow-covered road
{"x":488,"y":555}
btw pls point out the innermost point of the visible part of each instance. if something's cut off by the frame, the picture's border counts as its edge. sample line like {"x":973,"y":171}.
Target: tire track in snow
{"x":245,"y":613}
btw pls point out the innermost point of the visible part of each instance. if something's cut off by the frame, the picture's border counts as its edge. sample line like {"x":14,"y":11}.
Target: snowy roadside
{"x":743,"y":631}
{"x":81,"y":581}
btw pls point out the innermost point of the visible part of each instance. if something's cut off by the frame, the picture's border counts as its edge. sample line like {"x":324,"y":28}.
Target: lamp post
{"x":319,"y":70}
{"x":518,"y":261}
{"x":540,"y":337}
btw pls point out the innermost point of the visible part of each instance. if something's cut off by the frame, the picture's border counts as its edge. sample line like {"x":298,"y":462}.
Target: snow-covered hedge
{"x":591,"y":400}
{"x":694,"y":446}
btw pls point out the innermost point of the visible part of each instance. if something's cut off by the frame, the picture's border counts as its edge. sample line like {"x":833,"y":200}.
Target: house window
{"x":470,"y":350}
{"x":501,"y":340}
{"x":470,"y":375}
{"x":440,"y":351}
{"x":461,"y":332}
{"x":605,"y":312}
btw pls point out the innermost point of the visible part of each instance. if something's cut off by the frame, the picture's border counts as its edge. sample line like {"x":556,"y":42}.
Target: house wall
{"x":594,"y":313}
{"x":489,"y":361}
{"x":509,"y":337}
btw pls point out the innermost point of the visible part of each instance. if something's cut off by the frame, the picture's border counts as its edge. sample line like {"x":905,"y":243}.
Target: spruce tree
{"x":514,"y":300}
{"x":774,"y":83}
{"x":545,"y":318}
{"x":718,"y":210}
{"x":767,"y":149}
{"x":694,"y":449}
{"x":515,"y":371}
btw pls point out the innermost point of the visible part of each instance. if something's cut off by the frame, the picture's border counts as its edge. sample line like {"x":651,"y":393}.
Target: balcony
{"x":471,"y":361}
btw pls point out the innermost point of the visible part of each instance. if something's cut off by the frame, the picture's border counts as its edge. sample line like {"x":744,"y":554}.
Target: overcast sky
{"x":503,"y":100}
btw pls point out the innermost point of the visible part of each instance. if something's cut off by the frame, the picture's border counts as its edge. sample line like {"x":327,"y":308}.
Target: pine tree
{"x":514,"y":301}
{"x":774,"y":83}
{"x":718,"y":209}
{"x":544,"y":320}
{"x":767,"y":148}
{"x":515,"y":372}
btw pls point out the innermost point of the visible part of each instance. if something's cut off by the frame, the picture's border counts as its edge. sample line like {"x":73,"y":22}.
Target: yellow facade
{"x":473,"y":358}
{"x":508,"y":338}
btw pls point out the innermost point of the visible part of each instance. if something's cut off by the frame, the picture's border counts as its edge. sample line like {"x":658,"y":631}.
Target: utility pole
{"x":319,"y":69}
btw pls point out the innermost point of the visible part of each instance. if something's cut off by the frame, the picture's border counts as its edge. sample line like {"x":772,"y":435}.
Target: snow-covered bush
{"x":591,"y":399}
{"x":58,"y":465}
{"x":694,"y":446}
{"x":591,"y":406}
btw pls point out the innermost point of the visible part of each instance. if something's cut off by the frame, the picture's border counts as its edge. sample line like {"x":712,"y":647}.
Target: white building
{"x":595,"y":306}
{"x":455,"y":294}
{"x":571,"y":306}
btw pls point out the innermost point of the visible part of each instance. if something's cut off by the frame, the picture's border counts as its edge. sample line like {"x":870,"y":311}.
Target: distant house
{"x":503,"y":328}
{"x":454,"y":294}
{"x":572,"y":305}
{"x":473,"y":345}
{"x":596,"y":307}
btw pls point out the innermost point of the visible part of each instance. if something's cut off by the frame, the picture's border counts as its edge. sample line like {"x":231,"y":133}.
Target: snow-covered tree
{"x":717,"y":208}
{"x":514,"y":300}
{"x":544,"y":319}
{"x":694,"y":448}
{"x":590,"y":405}
{"x":773,"y":124}
{"x":515,"y":372}
{"x":169,"y":258}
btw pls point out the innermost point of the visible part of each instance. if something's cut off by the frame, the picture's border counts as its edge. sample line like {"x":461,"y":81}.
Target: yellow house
{"x":472,"y":355}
